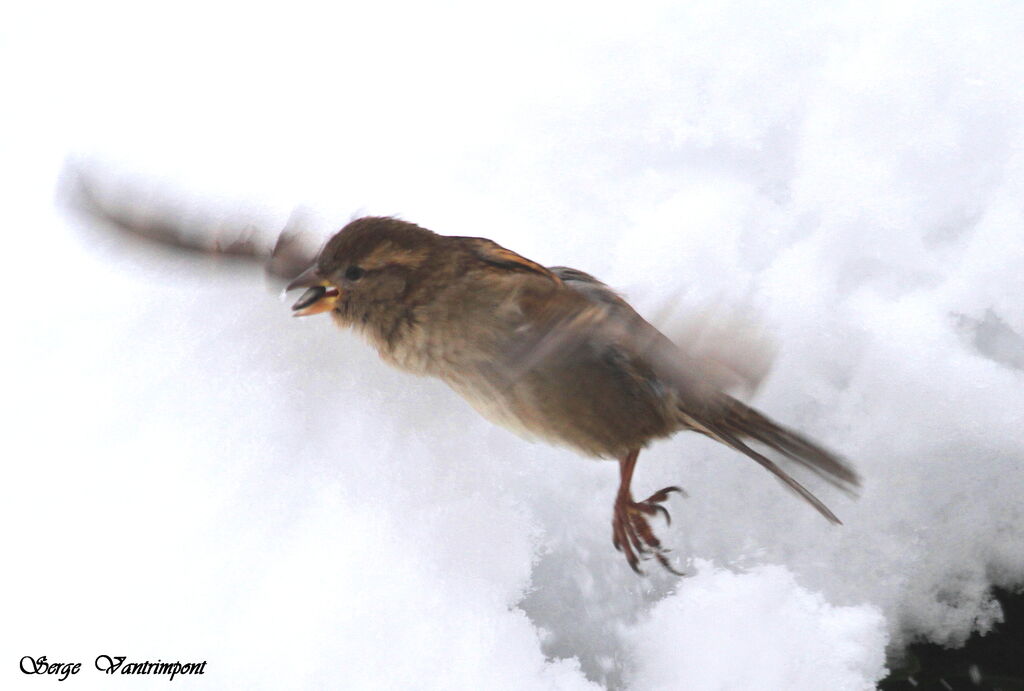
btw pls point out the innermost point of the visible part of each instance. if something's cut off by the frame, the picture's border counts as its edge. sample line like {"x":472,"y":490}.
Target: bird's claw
{"x":632,"y":533}
{"x":662,"y":494}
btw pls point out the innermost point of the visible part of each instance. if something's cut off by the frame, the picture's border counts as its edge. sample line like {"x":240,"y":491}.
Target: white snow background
{"x":190,"y":473}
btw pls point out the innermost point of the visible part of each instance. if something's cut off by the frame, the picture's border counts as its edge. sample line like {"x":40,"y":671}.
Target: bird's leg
{"x":631,"y":532}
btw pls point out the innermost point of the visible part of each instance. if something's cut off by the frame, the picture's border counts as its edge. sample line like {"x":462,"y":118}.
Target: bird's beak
{"x":320,"y":296}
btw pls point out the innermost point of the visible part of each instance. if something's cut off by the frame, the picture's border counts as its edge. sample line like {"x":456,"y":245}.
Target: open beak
{"x":320,"y":295}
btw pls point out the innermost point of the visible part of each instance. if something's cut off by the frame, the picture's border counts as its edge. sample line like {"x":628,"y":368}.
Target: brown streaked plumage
{"x":551,"y":353}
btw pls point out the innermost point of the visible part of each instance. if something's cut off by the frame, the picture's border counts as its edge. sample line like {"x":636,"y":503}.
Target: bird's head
{"x":365,"y":268}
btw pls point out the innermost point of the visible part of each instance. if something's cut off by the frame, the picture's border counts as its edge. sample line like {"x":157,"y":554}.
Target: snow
{"x":193,"y":474}
{"x":757,"y":629}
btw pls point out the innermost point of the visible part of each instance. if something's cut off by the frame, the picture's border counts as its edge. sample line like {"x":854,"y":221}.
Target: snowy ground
{"x":192,"y":474}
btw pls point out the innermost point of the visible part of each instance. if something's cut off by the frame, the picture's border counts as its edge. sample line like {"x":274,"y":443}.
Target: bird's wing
{"x":495,"y":255}
{"x":603,"y":319}
{"x":284,"y":254}
{"x":590,"y":313}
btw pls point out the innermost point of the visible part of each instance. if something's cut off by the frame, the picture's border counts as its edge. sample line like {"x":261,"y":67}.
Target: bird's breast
{"x":590,"y":397}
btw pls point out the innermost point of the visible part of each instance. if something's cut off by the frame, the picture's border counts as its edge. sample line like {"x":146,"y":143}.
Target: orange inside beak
{"x":317,"y":299}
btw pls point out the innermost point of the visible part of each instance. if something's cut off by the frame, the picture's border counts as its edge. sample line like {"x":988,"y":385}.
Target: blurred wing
{"x":596,"y":316}
{"x":284,"y":255}
{"x":603,"y":320}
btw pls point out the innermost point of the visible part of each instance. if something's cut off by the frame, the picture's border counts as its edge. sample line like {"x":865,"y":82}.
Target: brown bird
{"x":550,"y":353}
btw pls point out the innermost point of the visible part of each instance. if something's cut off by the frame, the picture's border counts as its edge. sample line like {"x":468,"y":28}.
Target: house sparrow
{"x":550,"y":353}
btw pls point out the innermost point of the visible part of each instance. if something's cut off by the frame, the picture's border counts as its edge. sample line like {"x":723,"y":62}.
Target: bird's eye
{"x":354,"y":273}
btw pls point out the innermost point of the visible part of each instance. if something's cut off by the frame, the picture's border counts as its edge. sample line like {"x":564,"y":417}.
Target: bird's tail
{"x":738,"y":424}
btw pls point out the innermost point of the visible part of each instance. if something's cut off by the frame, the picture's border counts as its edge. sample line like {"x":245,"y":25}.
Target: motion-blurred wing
{"x":595,"y":316}
{"x":284,"y":254}
{"x":603,"y":320}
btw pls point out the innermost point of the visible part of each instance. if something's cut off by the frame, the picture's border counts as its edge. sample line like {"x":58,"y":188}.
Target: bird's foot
{"x":632,"y":533}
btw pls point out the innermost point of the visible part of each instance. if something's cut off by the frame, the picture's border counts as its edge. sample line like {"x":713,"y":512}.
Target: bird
{"x":551,"y":353}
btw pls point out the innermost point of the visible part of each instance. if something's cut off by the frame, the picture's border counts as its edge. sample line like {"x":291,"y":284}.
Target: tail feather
{"x":750,"y":423}
{"x":741,"y":423}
